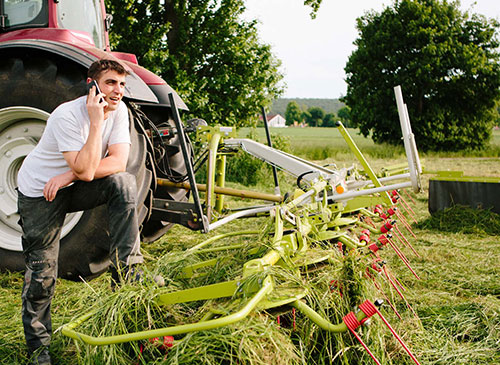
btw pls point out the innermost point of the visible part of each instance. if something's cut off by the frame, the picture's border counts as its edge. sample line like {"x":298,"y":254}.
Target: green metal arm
{"x":69,"y":329}
{"x":320,"y":321}
{"x":362,"y":160}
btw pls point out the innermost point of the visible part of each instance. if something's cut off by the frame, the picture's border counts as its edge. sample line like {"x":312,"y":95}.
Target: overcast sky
{"x":314,"y":51}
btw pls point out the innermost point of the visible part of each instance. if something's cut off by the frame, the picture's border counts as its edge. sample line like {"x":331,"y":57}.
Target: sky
{"x":314,"y":51}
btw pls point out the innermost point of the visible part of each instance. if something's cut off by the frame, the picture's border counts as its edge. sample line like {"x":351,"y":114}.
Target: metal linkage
{"x":201,"y":219}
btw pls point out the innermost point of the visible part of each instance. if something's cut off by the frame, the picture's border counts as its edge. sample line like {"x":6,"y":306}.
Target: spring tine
{"x":407,"y":208}
{"x":393,"y":285}
{"x":397,"y":250}
{"x":387,"y":299}
{"x":402,"y":257}
{"x":399,"y":238}
{"x":393,"y":277}
{"x":399,"y":292}
{"x":407,"y":242}
{"x":368,"y":308}
{"x":366,"y":347}
{"x":409,"y":196}
{"x":405,"y":223}
{"x":352,"y":323}
{"x":398,"y":338}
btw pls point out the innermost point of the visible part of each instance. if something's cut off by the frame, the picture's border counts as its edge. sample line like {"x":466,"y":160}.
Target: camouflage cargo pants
{"x":42,"y":221}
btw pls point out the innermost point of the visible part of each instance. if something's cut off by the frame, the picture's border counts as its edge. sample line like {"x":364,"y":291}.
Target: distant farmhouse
{"x":275,"y":121}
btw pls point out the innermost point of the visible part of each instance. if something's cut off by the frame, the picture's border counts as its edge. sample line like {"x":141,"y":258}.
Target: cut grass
{"x":462,"y":219}
{"x":457,"y":300}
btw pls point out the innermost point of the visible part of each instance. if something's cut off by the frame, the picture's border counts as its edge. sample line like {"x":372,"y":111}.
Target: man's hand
{"x":95,"y":108}
{"x":84,"y":163}
{"x":53,"y":185}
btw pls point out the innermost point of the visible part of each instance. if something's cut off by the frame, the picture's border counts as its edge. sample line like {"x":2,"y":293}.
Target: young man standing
{"x":78,"y":164}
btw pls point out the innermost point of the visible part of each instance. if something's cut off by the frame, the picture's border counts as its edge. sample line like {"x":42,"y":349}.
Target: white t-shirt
{"x":67,"y":130}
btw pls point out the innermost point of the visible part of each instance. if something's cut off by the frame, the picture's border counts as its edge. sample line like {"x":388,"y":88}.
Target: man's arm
{"x":85,"y":162}
{"x":53,"y":185}
{"x":115,"y":161}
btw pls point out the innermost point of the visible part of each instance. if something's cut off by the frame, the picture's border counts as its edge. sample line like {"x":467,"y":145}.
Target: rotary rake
{"x":331,"y":220}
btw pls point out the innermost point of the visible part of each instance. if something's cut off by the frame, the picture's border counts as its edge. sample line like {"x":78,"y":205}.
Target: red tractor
{"x":46,"y":47}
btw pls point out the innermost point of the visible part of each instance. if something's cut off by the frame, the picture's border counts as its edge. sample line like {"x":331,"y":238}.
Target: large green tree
{"x":204,"y":50}
{"x":329,"y":120}
{"x":293,"y":113}
{"x":448,"y":65}
{"x":316,"y":116}
{"x":344,"y":115}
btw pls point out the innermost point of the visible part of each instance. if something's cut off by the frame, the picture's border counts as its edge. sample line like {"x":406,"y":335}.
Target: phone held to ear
{"x":97,"y":90}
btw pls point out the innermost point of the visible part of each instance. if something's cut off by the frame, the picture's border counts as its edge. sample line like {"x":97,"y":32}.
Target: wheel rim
{"x":20,"y":130}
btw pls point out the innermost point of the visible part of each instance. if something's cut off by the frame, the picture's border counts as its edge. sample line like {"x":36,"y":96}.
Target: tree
{"x":329,"y":120}
{"x":314,"y":4}
{"x":306,"y":117}
{"x":317,"y":114}
{"x":211,"y":57}
{"x":447,"y":63}
{"x":293,"y":113}
{"x":344,"y":115}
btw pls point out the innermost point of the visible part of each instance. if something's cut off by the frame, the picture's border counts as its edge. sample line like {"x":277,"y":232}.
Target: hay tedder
{"x":336,"y":216}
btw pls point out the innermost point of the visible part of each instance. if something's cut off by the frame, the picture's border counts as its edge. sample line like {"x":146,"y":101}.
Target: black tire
{"x":43,"y":81}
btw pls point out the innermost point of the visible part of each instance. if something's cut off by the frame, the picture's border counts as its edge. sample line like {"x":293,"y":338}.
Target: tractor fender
{"x":141,"y":85}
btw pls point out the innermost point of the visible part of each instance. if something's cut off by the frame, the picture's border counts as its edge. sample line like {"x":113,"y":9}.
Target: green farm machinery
{"x":337,"y":216}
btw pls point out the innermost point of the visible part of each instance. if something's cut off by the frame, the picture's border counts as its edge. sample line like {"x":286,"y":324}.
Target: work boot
{"x":40,"y":357}
{"x":133,"y":274}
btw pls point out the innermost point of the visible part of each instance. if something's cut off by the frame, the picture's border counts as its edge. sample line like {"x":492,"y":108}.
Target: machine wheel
{"x":32,"y":86}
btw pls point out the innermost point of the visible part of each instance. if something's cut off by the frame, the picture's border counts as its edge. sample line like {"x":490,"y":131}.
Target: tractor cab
{"x":86,"y":19}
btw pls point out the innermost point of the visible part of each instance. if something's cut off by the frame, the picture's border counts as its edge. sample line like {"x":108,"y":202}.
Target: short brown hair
{"x":99,"y":66}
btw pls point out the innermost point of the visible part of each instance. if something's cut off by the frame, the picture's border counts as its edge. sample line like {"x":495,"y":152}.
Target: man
{"x":78,"y":164}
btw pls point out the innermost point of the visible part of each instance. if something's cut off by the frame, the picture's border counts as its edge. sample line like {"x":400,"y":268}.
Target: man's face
{"x":112,"y":84}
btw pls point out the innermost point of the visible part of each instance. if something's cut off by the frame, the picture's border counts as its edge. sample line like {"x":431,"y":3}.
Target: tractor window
{"x":84,"y":16}
{"x":22,"y":14}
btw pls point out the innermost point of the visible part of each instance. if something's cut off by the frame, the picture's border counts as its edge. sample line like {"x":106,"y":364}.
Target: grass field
{"x":327,"y":143}
{"x":457,"y":299}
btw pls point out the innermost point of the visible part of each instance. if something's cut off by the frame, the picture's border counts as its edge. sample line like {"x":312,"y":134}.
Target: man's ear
{"x":89,"y":80}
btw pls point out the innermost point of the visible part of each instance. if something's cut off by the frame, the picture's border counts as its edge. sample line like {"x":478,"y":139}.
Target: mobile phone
{"x":97,"y":90}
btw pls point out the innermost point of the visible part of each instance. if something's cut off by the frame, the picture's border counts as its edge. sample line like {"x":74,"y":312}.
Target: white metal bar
{"x":293,"y":164}
{"x":408,"y":139}
{"x":352,"y":194}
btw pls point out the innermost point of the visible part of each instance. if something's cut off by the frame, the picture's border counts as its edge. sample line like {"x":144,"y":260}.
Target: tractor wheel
{"x":31,"y":87}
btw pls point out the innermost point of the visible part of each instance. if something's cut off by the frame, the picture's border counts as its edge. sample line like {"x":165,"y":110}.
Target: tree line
{"x":315,"y":116}
{"x":327,"y":104}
